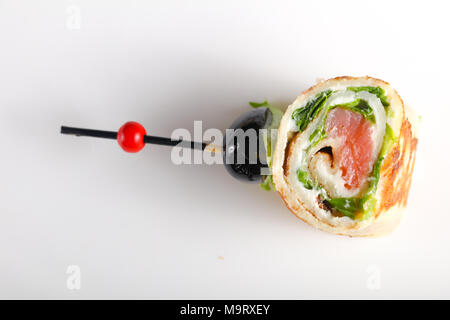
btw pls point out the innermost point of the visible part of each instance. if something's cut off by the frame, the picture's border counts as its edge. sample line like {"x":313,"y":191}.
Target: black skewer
{"x":132,"y":138}
{"x":147,"y":139}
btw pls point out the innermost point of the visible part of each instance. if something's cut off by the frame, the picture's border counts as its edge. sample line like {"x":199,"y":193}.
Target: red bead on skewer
{"x":131,"y":136}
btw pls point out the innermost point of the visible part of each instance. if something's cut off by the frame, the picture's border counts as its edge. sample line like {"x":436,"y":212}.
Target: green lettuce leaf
{"x":303,"y":177}
{"x":347,"y":206}
{"x":303,"y":116}
{"x":277,"y":114}
{"x":359,"y":106}
{"x":267,"y":184}
{"x":378,"y":91}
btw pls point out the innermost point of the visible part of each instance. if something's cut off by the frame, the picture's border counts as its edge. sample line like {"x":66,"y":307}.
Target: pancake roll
{"x":344,"y":156}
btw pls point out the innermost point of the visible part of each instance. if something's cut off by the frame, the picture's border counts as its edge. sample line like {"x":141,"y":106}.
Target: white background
{"x":139,"y":226}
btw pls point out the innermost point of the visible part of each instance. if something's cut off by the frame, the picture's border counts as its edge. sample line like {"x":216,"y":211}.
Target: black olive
{"x":247,"y":170}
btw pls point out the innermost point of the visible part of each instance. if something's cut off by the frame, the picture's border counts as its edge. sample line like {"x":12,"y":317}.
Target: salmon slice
{"x":354,"y":154}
